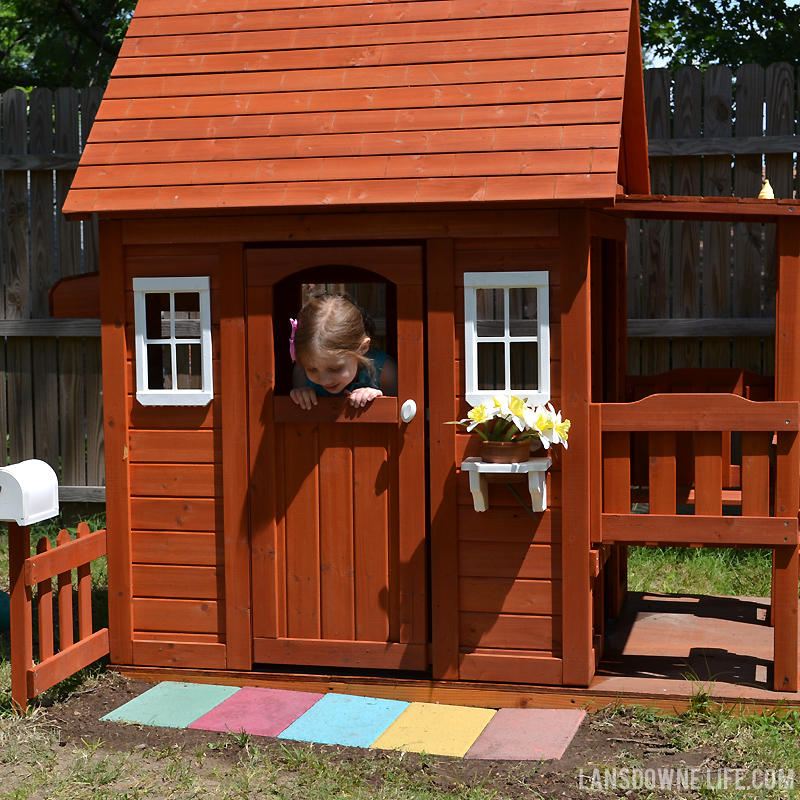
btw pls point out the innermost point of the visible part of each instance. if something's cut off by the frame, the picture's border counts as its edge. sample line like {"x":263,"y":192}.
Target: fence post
{"x":19,"y":548}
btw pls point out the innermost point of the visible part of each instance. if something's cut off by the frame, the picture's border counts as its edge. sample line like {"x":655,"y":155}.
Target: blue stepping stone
{"x":346,"y":720}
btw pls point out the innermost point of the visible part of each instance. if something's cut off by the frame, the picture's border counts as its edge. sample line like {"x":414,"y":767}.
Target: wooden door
{"x":337,"y":507}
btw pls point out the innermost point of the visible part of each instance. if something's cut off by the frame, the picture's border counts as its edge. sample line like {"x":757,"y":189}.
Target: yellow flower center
{"x":516,"y":406}
{"x":544,"y":423}
{"x":478,"y":414}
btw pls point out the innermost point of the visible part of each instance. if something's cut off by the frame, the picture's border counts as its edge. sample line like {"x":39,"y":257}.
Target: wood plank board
{"x":176,"y":18}
{"x":165,"y":653}
{"x":177,"y":581}
{"x":266,"y":483}
{"x":504,"y":560}
{"x":187,"y":616}
{"x":337,"y":541}
{"x":44,"y":352}
{"x":686,"y":290}
{"x":175,"y":547}
{"x":520,"y":631}
{"x":175,"y":480}
{"x":500,"y":667}
{"x":280,"y":31}
{"x":302,"y":527}
{"x":689,"y":530}
{"x":235,"y":458}
{"x":576,"y":312}
{"x":509,"y":595}
{"x":176,"y":514}
{"x":694,"y":412}
{"x":748,"y":289}
{"x":367,"y":167}
{"x":348,"y":654}
{"x":563,"y":66}
{"x":170,"y":447}
{"x":117,"y":463}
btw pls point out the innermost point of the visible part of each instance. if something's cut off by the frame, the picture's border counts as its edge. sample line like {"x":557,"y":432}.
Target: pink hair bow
{"x":292,"y":353}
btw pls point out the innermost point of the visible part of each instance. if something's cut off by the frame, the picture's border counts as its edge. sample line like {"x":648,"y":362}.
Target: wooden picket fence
{"x":31,"y":676}
{"x":699,"y":294}
{"x":703,"y":294}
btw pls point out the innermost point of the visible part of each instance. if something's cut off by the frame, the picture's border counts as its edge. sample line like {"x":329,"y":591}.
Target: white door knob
{"x":408,"y":411}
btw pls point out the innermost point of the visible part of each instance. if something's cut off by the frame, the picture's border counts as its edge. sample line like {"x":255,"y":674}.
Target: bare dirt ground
{"x":599,"y":743}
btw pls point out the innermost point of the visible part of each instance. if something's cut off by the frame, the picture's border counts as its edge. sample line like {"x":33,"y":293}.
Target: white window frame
{"x":174,"y":396}
{"x":506,"y":280}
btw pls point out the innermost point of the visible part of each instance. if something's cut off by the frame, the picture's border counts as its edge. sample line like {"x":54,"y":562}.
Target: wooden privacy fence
{"x":30,"y":678}
{"x":703,"y":294}
{"x":50,"y":385}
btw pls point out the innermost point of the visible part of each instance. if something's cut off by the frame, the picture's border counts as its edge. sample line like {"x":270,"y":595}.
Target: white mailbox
{"x":28,"y":492}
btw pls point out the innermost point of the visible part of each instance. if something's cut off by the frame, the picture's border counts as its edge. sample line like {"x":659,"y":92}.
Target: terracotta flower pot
{"x":505,"y":452}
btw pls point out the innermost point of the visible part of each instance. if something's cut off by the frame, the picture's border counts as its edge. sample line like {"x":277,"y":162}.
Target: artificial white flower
{"x":552,"y":429}
{"x":510,"y":418}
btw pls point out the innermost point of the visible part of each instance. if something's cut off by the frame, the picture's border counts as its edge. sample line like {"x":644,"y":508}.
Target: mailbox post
{"x":28,"y":494}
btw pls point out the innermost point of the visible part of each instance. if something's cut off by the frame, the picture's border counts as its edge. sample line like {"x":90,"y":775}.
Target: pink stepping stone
{"x":260,"y":712}
{"x":527,"y":734}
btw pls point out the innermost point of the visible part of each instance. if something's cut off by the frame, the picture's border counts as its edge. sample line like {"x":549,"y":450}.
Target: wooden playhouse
{"x":427,"y":155}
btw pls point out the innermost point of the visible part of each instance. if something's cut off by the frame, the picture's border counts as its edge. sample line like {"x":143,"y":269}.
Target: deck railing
{"x":686,"y":434}
{"x":28,"y":678}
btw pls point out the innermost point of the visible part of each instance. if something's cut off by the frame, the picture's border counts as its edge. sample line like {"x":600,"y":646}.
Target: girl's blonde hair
{"x":332,"y":324}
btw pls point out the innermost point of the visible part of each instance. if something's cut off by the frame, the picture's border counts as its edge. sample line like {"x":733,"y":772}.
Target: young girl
{"x":330,"y":345}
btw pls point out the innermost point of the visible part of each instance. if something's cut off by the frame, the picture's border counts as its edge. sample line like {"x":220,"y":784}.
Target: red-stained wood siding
{"x":248,"y":105}
{"x":509,"y":564}
{"x":176,"y":494}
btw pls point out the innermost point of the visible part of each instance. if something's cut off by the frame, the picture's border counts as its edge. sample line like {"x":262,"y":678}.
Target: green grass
{"x":700,"y":570}
{"x":35,"y":764}
{"x":732,"y":746}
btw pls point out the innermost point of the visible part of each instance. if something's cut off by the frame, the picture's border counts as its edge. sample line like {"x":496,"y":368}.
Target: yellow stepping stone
{"x":435,"y":729}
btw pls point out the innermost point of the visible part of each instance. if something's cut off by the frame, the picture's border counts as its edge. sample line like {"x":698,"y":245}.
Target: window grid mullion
{"x":172,"y":348}
{"x":507,"y":339}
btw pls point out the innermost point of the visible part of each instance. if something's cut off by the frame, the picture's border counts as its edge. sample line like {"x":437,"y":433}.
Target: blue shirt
{"x":363,"y":378}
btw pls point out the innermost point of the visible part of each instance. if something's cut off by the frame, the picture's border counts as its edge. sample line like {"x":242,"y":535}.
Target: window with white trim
{"x":173,"y":341}
{"x":507,"y":335}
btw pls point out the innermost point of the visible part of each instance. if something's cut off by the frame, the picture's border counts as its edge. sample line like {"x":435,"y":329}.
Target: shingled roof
{"x":260,"y":104}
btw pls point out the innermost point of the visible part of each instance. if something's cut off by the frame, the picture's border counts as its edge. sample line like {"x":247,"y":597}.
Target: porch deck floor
{"x":679,"y":645}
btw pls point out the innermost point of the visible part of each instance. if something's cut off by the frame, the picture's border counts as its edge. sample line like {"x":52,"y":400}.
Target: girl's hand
{"x":305,"y":397}
{"x":360,"y":397}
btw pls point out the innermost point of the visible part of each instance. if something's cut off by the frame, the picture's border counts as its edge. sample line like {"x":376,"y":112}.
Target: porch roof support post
{"x":576,"y":377}
{"x":786,"y":564}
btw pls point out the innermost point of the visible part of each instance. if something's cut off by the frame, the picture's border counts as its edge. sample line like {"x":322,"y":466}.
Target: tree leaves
{"x":55,"y":43}
{"x":729,"y":32}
